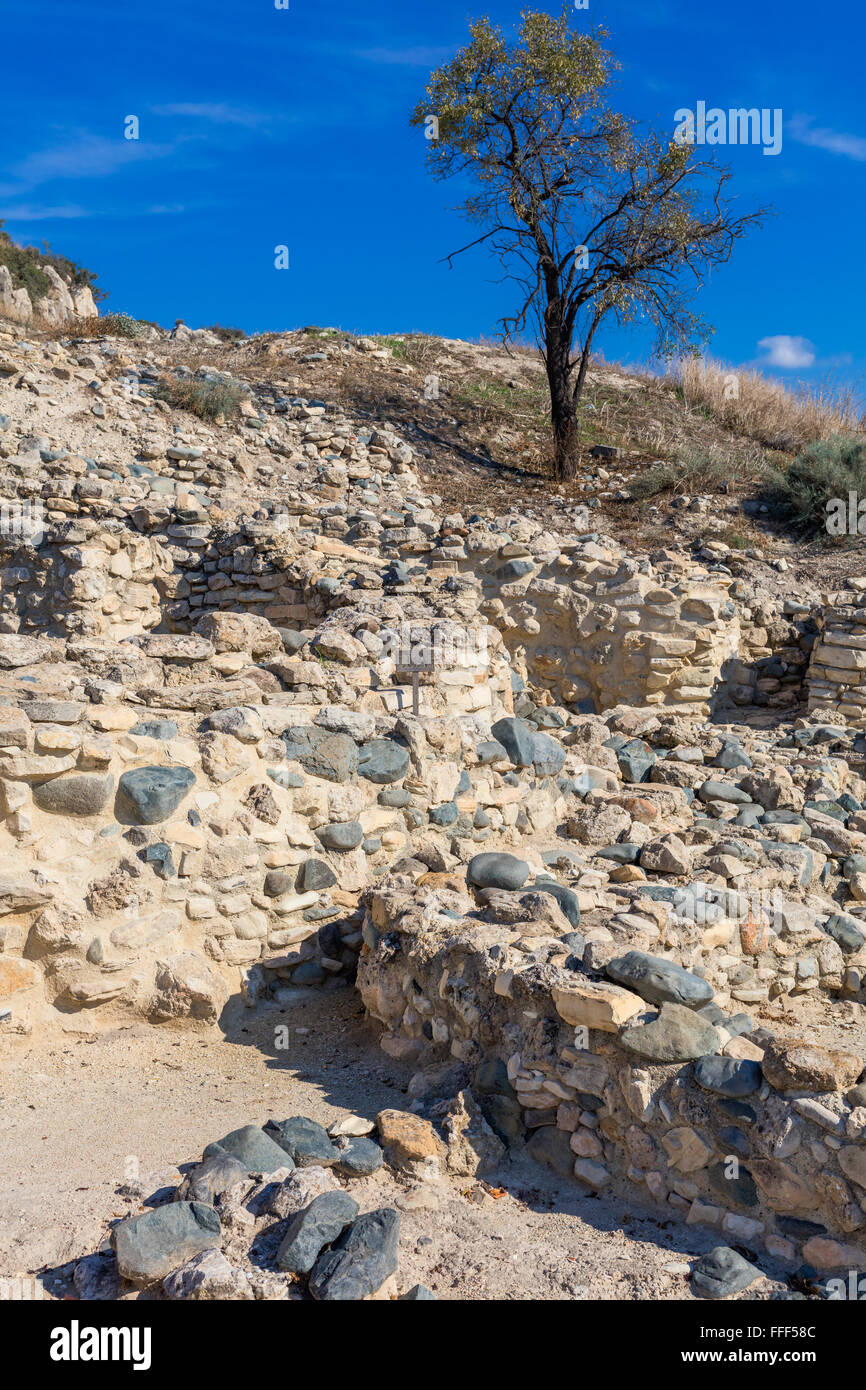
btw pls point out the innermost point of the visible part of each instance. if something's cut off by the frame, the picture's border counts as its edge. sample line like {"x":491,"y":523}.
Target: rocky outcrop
{"x":62,"y":302}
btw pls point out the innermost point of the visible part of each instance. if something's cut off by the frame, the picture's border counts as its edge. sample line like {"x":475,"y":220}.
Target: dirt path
{"x":81,"y":1112}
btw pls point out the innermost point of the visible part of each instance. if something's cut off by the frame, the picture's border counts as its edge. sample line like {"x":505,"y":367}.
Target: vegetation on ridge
{"x":26,"y":266}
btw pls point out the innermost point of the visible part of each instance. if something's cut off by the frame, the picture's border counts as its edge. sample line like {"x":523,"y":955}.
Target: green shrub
{"x":209,"y":400}
{"x":121,"y":326}
{"x":821,"y":473}
{"x":227,"y":335}
{"x":25,"y":264}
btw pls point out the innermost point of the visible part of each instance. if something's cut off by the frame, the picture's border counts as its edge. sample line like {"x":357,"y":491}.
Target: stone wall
{"x":629,"y":1078}
{"x":82,"y":579}
{"x":837,"y":671}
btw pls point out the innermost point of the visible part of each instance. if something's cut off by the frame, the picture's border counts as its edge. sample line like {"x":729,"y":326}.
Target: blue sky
{"x":262,"y":127}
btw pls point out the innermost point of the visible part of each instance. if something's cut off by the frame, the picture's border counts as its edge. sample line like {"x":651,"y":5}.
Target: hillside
{"x":510,"y":838}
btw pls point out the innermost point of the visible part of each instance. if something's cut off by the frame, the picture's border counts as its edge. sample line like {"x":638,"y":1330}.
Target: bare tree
{"x":592,"y":220}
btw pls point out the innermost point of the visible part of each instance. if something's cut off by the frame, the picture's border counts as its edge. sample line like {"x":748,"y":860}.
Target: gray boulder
{"x":361,"y":1259}
{"x":316,"y":1226}
{"x":341,"y":835}
{"x":150,"y":1246}
{"x":321,"y":753}
{"x":151,"y":794}
{"x":252,"y":1147}
{"x":305,"y":1141}
{"x":383,"y":761}
{"x":658,"y":980}
{"x":723,"y":1272}
{"x":496,"y":870}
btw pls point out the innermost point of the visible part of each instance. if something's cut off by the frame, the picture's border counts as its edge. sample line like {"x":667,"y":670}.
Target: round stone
{"x":383,"y":761}
{"x":497,"y":870}
{"x":341,"y":835}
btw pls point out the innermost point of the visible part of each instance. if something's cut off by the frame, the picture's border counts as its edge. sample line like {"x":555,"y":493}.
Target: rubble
{"x":270,"y":718}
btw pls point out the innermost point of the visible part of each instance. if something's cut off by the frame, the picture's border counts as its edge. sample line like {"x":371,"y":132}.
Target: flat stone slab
{"x":596,"y":1004}
{"x":76,"y":794}
{"x":53,"y":711}
{"x":795,"y":1064}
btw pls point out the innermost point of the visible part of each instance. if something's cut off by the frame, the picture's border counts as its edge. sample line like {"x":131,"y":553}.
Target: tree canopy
{"x":588,"y":216}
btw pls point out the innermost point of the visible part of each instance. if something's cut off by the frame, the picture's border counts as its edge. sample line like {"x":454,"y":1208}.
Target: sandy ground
{"x":84,"y":1114}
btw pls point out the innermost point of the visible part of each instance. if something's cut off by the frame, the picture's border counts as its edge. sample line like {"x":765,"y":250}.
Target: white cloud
{"x":836,"y":142}
{"x":36,"y":212}
{"x":783,"y":350}
{"x":85,"y":156}
{"x":217,"y":113}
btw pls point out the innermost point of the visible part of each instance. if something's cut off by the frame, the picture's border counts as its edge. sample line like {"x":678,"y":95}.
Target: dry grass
{"x":209,"y":400}
{"x":757,"y":407}
{"x":417,"y":349}
{"x":96,"y":326}
{"x":700,"y":470}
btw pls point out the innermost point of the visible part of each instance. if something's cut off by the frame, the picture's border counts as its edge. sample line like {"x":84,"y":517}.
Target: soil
{"x":85,"y":1113}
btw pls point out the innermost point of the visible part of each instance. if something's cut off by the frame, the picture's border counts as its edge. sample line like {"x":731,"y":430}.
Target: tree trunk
{"x":563,"y":411}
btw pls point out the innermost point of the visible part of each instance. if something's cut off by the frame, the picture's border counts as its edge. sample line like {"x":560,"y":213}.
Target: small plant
{"x":699,"y":470}
{"x":415,"y":349}
{"x":120,"y":326}
{"x":822,"y":473}
{"x":227,"y":335}
{"x":209,"y":400}
{"x":733,"y":538}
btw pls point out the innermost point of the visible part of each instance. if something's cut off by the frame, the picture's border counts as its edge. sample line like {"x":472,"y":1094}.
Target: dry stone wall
{"x":263,"y":705}
{"x":837,"y":671}
{"x":628,"y":1078}
{"x":597,"y":634}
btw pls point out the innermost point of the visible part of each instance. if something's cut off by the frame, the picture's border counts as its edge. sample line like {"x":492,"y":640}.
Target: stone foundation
{"x":761,"y":1146}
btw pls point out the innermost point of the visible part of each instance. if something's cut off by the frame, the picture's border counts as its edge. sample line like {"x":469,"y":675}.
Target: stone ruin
{"x":586,"y":836}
